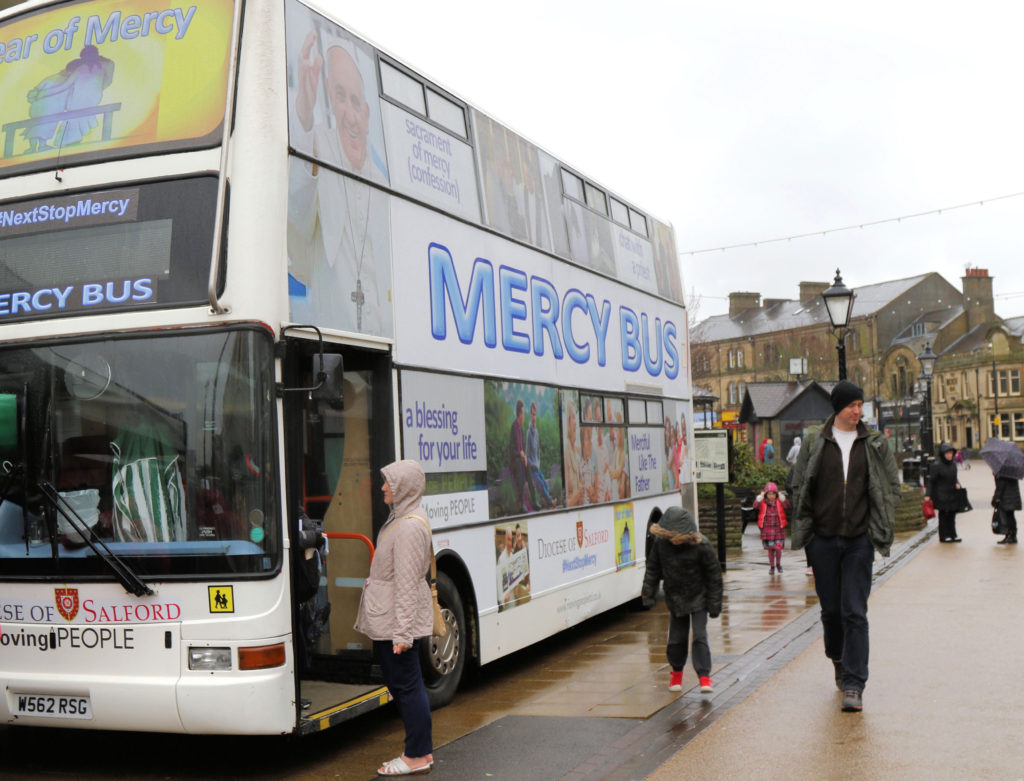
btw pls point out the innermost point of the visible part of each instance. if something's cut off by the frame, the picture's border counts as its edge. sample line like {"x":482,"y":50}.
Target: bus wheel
{"x":444,"y":658}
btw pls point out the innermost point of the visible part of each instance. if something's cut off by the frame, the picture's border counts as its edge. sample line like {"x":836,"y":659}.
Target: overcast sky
{"x":750,"y":121}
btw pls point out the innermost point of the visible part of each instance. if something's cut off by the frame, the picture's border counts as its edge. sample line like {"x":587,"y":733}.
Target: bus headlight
{"x":209,"y":658}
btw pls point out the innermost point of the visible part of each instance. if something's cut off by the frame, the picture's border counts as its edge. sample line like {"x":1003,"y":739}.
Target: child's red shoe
{"x":675,"y":681}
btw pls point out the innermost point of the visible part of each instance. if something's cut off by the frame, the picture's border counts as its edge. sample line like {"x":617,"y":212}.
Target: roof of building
{"x":975,"y":339}
{"x":1015,"y":325}
{"x":786,"y":315}
{"x":767,"y":399}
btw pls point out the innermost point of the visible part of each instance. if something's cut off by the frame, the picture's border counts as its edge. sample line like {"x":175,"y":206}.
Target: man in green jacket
{"x":846,"y":487}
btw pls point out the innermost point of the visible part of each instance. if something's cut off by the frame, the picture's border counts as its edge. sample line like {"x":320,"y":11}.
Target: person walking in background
{"x":768,"y":453}
{"x":396,"y":610}
{"x":794,"y":452}
{"x":771,"y":506}
{"x":1006,"y":500}
{"x":685,"y":560}
{"x":941,"y":486}
{"x":846,"y":486}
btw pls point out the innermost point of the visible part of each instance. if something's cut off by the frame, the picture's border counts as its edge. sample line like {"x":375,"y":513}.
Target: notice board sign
{"x":711,"y":459}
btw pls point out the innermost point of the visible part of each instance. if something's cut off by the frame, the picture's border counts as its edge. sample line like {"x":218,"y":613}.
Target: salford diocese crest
{"x":67,"y":602}
{"x":579,"y":533}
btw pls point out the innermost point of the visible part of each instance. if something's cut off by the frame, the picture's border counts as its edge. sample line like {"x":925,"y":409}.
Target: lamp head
{"x":838,"y":302}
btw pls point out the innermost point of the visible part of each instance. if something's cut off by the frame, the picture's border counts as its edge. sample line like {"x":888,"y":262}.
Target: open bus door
{"x":334,"y":399}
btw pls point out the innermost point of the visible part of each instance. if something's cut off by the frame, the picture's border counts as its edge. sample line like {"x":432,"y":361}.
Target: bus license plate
{"x":56,"y":706}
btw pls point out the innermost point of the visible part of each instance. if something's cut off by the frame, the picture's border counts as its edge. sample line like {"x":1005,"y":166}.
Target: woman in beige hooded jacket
{"x":396,"y":609}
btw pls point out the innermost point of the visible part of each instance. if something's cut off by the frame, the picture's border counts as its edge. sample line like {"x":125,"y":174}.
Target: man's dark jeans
{"x":842,"y":578}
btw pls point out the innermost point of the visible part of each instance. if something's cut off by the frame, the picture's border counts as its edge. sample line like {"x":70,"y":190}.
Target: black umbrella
{"x":1004,"y":458}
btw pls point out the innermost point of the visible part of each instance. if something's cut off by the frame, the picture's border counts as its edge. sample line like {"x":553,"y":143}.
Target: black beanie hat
{"x":844,"y":394}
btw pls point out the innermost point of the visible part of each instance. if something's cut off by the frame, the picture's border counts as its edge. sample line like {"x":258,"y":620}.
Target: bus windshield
{"x":160,"y":447}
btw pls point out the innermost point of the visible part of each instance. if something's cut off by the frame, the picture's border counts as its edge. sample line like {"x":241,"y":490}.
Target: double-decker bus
{"x":246,"y":260}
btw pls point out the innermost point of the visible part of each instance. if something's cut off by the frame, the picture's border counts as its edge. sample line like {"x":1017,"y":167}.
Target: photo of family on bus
{"x":524,"y":474}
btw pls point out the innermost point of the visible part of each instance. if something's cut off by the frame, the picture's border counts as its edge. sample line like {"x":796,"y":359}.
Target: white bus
{"x":246,"y":260}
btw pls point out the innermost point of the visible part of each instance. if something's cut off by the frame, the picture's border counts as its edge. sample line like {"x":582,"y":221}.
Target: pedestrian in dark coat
{"x":1006,"y":500}
{"x":941,"y":487}
{"x":685,"y":560}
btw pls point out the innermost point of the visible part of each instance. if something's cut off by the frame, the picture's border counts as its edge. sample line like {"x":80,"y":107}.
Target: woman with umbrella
{"x":942,"y":486}
{"x":1007,"y":463}
{"x":1006,"y":499}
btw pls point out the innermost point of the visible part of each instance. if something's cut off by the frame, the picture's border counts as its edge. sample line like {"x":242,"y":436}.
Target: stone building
{"x":788,"y":340}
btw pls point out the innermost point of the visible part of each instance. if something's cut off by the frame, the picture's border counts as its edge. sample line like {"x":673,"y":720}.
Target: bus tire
{"x":444,"y":659}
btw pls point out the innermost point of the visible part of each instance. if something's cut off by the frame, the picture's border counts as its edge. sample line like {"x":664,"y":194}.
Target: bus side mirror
{"x":332,"y":369}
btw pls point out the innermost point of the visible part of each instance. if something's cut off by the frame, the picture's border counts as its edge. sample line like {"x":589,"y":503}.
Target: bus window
{"x":159,"y":446}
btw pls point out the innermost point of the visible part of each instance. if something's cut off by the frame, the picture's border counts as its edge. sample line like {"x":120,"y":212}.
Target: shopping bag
{"x":998,"y":524}
{"x":928,"y":509}
{"x":963,"y":504}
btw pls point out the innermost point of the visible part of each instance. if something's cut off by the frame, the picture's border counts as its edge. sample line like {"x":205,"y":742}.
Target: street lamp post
{"x":997,"y":423}
{"x":839,"y":304}
{"x":927,"y":359}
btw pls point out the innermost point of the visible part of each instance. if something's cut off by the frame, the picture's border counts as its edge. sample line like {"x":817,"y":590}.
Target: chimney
{"x":768,"y":303}
{"x":812,"y":290}
{"x":740,"y":302}
{"x":978,"y":302}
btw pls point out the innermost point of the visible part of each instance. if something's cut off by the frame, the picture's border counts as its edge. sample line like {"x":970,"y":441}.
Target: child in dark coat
{"x":685,"y":560}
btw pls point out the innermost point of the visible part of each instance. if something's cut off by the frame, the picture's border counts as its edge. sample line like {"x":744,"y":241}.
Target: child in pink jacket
{"x":771,"y":506}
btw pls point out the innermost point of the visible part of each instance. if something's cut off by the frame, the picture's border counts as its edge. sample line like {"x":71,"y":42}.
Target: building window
{"x":732,"y":392}
{"x":1018,"y":425}
{"x":1003,"y":430}
{"x":1009,"y":382}
{"x":739,"y":358}
{"x":853,"y":341}
{"x":732,"y":359}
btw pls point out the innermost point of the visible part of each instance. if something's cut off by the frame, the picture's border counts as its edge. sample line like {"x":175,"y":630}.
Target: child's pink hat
{"x":771,"y":488}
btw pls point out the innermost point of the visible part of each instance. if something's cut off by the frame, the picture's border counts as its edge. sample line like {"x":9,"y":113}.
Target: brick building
{"x":762,"y":340}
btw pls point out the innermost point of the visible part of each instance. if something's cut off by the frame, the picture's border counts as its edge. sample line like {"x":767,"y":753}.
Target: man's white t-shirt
{"x":845,"y":440}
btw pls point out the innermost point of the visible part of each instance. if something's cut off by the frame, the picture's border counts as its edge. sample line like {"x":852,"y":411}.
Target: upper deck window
{"x":416,"y":95}
{"x":638,"y":222}
{"x":446,"y":113}
{"x":596,"y":199}
{"x":572,"y":185}
{"x":620,"y":212}
{"x":402,"y":87}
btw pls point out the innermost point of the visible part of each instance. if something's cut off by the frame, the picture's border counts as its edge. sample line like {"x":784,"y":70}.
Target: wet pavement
{"x":946,"y":631}
{"x":592,"y":703}
{"x":943,"y":700}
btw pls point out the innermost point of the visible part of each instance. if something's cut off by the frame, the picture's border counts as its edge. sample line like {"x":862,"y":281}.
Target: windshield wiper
{"x":132,"y":583}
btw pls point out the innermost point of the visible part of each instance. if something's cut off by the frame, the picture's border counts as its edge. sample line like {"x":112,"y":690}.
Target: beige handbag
{"x":440,"y":627}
